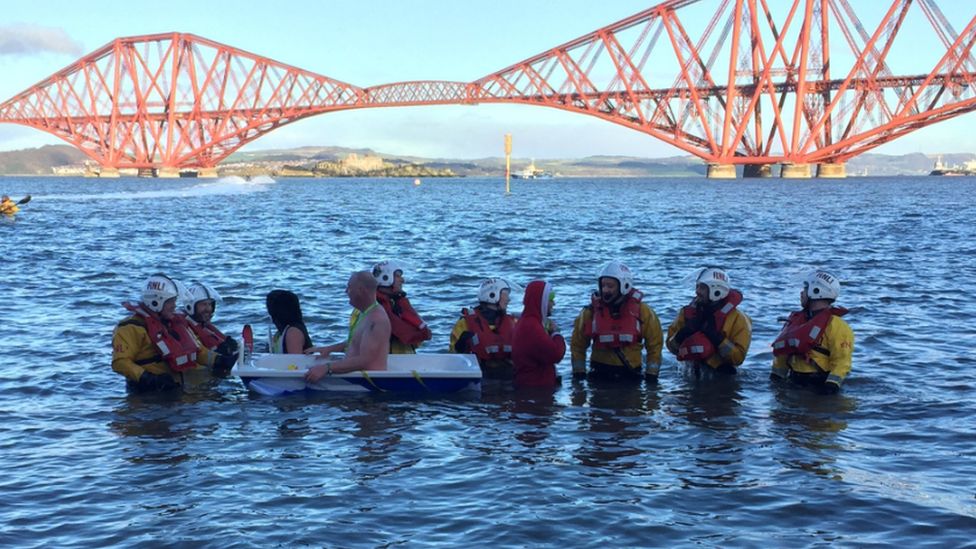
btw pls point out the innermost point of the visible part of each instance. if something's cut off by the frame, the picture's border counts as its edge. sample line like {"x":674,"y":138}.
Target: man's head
{"x":712,"y":284}
{"x":615,"y":280}
{"x":388,"y":274}
{"x":820,"y":289}
{"x":361,"y":289}
{"x":5,"y":198}
{"x":495,"y":292}
{"x":201,"y":302}
{"x":159,"y":295}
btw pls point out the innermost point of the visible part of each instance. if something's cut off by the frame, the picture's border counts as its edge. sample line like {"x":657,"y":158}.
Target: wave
{"x":225,"y":185}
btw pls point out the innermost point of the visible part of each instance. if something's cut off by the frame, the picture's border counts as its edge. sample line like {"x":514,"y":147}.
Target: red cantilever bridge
{"x":753,"y":82}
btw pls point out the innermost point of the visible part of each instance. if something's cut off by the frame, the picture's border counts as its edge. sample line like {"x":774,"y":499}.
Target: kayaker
{"x":618,"y":324}
{"x":408,"y":330}
{"x":815,"y":346}
{"x":537,"y":345}
{"x":487,"y":330}
{"x":367,"y":345}
{"x":8,"y":206}
{"x":154,"y":346}
{"x":291,"y":336}
{"x":711,"y":331}
{"x":200,"y":306}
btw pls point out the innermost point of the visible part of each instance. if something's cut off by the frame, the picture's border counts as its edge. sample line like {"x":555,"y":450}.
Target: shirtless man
{"x":368,"y":343}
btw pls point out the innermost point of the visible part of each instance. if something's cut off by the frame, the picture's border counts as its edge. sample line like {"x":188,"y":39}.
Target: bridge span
{"x":807,"y":85}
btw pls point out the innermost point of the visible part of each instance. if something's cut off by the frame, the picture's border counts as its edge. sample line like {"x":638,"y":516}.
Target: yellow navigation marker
{"x":508,"y":163}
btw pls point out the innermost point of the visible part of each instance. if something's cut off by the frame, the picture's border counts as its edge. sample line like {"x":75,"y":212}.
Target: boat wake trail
{"x":223,"y":186}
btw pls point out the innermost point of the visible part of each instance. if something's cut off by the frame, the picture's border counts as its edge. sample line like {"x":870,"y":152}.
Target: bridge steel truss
{"x":730,"y":81}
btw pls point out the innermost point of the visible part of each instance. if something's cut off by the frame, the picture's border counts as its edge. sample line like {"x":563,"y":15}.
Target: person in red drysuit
{"x":537,"y":345}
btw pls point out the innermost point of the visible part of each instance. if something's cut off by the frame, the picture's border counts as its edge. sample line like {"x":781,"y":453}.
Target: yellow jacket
{"x":838,"y":339}
{"x":737,"y":330}
{"x":134,"y":353}
{"x":651,"y":336}
{"x":9,"y":207}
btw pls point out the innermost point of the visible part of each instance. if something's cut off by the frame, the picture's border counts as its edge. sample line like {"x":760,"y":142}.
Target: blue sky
{"x":372,"y":42}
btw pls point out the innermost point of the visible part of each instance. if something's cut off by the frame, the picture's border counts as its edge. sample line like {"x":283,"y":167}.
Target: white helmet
{"x":621,"y":273}
{"x":197,"y":293}
{"x":821,"y":285}
{"x":491,"y":290}
{"x":159,"y":289}
{"x":384,"y":272}
{"x":717,"y":281}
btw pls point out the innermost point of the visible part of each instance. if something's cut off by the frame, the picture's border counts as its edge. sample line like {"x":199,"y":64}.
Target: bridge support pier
{"x":108,"y":172}
{"x":207,"y":172}
{"x":796,"y":171}
{"x":167,"y":172}
{"x":720,"y":171}
{"x":832,"y":170}
{"x":757,"y":170}
{"x":145,"y":172}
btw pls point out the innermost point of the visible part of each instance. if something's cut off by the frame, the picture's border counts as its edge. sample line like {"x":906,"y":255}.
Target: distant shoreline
{"x":329,"y":161}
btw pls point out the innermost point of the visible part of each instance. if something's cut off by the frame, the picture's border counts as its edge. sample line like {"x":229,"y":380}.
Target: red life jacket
{"x":487,"y":343}
{"x":609,"y":332}
{"x":407,"y":326}
{"x":697,"y":346}
{"x":175,"y":343}
{"x":802,"y":335}
{"x":207,"y":333}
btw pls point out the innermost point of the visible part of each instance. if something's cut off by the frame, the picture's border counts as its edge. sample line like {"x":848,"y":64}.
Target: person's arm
{"x":294,"y":341}
{"x":408,"y":333}
{"x":653,"y":337}
{"x":327,"y":350}
{"x":460,"y":337}
{"x":555,"y":348}
{"x":676,"y":327}
{"x":841,"y":340}
{"x":127,"y":342}
{"x":738,"y":338}
{"x":579,"y":343}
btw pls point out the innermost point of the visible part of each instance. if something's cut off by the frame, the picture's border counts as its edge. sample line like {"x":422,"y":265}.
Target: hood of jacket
{"x":536,"y":300}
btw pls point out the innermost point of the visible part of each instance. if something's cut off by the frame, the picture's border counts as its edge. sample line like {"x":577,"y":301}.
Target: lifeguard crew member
{"x":619,"y":325}
{"x":487,"y":330}
{"x":711,"y":331}
{"x":154,"y":345}
{"x":201,"y":304}
{"x":408,"y":330}
{"x":815,"y":346}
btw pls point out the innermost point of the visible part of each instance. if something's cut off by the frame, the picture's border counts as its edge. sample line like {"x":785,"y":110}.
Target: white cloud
{"x":33,"y":39}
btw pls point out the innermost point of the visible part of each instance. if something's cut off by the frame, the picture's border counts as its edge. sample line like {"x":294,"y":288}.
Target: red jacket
{"x":535,"y":352}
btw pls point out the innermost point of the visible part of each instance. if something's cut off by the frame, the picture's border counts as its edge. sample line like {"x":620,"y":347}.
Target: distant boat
{"x":531,"y":172}
{"x":969,"y":168}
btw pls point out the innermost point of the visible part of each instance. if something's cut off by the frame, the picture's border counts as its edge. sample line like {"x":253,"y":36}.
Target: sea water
{"x":687,"y":462}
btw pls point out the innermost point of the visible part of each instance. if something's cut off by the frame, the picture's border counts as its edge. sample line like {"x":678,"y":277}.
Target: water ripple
{"x":687,"y":462}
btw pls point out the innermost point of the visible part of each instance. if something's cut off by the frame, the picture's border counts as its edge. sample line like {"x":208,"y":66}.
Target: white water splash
{"x":223,"y":186}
